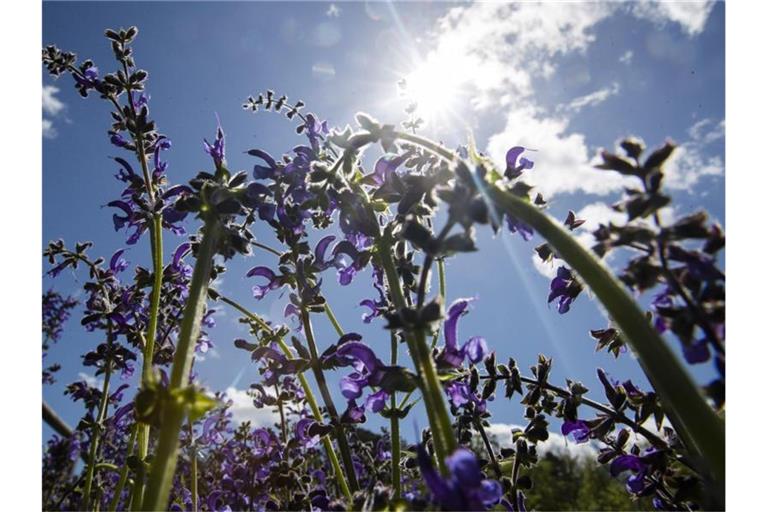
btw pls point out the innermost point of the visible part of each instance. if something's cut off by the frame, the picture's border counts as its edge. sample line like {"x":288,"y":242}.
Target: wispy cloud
{"x":52,"y":107}
{"x":323,"y":71}
{"x":592,"y":99}
{"x":694,"y":159}
{"x":626,"y":57}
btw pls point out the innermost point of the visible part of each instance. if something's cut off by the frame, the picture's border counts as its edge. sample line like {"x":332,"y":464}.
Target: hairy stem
{"x":166,"y":455}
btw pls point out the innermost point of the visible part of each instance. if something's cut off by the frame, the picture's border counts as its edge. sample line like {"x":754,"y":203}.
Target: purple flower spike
{"x":259,"y":291}
{"x":216,"y":150}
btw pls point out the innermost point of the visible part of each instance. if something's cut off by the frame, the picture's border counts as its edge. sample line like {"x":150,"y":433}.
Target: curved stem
{"x":308,"y":394}
{"x":193,"y":457}
{"x":697,"y":424}
{"x":166,"y":455}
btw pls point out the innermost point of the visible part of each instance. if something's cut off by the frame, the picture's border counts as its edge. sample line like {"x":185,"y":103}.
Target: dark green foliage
{"x":562,"y":482}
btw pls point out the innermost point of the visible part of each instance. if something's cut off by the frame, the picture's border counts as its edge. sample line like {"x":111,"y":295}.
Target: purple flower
{"x":302,"y":433}
{"x":630,"y":463}
{"x":117,"y":264}
{"x":261,"y":172}
{"x":517,"y":226}
{"x":259,"y":291}
{"x":565,"y":288}
{"x":464,"y":488}
{"x":216,"y":150}
{"x":475,"y":349}
{"x":514,"y":167}
{"x":385,"y":167}
{"x":578,"y":429}
{"x":320,"y":249}
{"x":353,"y":414}
{"x":119,"y":141}
{"x":697,"y":352}
{"x":376,"y":401}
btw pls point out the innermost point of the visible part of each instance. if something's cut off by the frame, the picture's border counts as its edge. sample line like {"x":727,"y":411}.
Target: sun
{"x":435,"y":86}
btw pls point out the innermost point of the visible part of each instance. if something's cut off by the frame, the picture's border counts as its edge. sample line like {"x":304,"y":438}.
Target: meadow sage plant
{"x":170,"y":444}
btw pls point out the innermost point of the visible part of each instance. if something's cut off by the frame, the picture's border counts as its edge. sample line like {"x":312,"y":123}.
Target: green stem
{"x":96,"y":436}
{"x":166,"y":455}
{"x":332,"y":318}
{"x":701,"y":429}
{"x":441,"y":278}
{"x":394,"y":427}
{"x":341,"y":438}
{"x":124,"y":471}
{"x":308,"y":394}
{"x":437,"y":413}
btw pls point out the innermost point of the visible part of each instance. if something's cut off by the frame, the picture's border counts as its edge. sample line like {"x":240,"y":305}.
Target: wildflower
{"x":578,"y":429}
{"x":464,"y":488}
{"x":565,"y":288}
{"x":259,"y":291}
{"x":514,"y":167}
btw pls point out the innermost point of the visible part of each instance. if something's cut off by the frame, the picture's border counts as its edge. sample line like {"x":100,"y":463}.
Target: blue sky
{"x":564,"y":79}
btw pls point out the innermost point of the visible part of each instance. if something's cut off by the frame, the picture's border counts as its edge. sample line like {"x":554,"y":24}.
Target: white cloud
{"x":562,"y":164}
{"x":52,"y":106}
{"x":689,"y":163}
{"x":243,"y":409}
{"x":555,"y":444}
{"x":49,"y":132}
{"x":626,"y":57}
{"x":333,"y":11}
{"x":500,"y":47}
{"x":593,"y":99}
{"x":323,"y":71}
{"x":691,"y":16}
{"x":92,"y":381}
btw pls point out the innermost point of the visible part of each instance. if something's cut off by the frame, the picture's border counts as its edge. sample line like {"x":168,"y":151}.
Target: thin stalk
{"x":266,"y":248}
{"x":166,"y":455}
{"x":308,"y":394}
{"x":441,"y":280}
{"x":701,"y":429}
{"x":341,"y":438}
{"x":488,"y":447}
{"x":394,"y":427}
{"x":437,"y":413}
{"x":283,"y":431}
{"x":193,"y":457}
{"x":332,"y":318}
{"x":96,"y":436}
{"x":124,"y":471}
